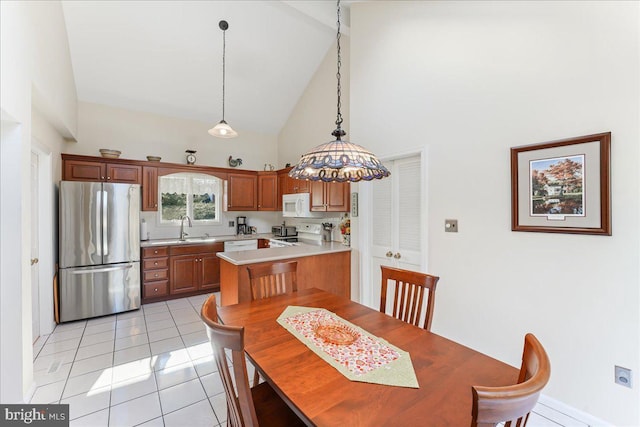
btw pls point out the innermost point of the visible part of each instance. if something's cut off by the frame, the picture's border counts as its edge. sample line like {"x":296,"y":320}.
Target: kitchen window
{"x":195,"y":195}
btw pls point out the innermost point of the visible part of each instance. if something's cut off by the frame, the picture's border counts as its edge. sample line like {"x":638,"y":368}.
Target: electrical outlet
{"x":232,"y":223}
{"x":451,"y":225}
{"x":623,"y":376}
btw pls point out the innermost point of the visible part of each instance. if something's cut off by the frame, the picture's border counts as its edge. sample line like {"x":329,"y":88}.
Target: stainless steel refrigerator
{"x":99,"y":249}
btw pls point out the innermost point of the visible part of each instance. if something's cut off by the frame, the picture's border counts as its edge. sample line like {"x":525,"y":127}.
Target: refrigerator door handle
{"x":105,"y":223}
{"x":103,"y":270}
{"x":98,"y":229}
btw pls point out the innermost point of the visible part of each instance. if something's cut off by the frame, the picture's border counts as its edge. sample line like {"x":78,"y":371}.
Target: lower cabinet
{"x":176,"y":271}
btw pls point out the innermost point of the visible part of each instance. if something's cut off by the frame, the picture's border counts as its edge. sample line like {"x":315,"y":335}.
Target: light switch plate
{"x":451,"y":225}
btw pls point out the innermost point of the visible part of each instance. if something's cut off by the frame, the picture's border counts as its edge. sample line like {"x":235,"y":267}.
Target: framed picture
{"x":562,"y":186}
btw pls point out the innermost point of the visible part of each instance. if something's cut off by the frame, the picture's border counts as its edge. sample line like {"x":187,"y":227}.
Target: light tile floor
{"x":149,"y":367}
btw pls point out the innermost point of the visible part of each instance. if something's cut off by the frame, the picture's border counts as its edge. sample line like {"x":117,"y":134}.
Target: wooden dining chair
{"x":274,"y":279}
{"x":246,"y":406}
{"x":409,"y":294}
{"x":512,"y":404}
{"x":271,"y":280}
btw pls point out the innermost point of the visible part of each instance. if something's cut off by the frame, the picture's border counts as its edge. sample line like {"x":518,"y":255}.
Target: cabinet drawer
{"x":197,"y":249}
{"x":157,"y":289}
{"x":153,"y":252}
{"x":155,"y":263}
{"x":153,"y":275}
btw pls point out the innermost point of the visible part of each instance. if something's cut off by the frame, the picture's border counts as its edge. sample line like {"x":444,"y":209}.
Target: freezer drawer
{"x":96,"y":291}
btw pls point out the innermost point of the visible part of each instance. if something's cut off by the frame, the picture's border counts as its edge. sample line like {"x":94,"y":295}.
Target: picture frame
{"x":562,"y":186}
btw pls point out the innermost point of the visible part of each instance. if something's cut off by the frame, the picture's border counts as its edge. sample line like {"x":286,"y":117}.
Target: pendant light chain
{"x":339,"y":116}
{"x":339,"y":160}
{"x":222,"y":129}
{"x":224,"y":55}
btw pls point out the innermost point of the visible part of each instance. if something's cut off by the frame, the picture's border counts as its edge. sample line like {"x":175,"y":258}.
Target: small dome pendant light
{"x":222,"y":129}
{"x":338,"y":160}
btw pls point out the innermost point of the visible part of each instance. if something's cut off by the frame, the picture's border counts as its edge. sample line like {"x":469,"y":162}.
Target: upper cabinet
{"x":290,"y":185}
{"x":242,"y":192}
{"x":330,"y":196}
{"x":246,"y":190}
{"x":101,"y":171}
{"x":149,"y":188}
{"x":268,"y":191}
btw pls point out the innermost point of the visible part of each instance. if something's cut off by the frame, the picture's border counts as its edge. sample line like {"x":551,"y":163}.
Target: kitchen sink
{"x":201,"y":239}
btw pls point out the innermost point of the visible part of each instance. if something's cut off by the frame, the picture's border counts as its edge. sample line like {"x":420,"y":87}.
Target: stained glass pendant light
{"x":222,"y":129}
{"x":339,"y":160}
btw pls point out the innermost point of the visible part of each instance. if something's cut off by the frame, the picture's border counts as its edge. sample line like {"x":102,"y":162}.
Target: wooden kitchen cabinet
{"x":194,"y":268}
{"x":330,"y":196}
{"x":149,"y":188}
{"x":155,"y":272}
{"x":100,"y":171}
{"x":267,"y":191}
{"x":170,"y":272}
{"x":290,"y":185}
{"x":242,"y":192}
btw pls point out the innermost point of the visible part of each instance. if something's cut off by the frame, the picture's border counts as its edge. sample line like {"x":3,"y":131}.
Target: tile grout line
{"x":153,"y":371}
{"x":215,"y":414}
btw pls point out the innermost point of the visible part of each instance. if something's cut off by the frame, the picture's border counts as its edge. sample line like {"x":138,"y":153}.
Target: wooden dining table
{"x":322,"y":396}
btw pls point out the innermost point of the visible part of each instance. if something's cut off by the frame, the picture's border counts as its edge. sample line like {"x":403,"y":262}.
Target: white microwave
{"x":297,"y":205}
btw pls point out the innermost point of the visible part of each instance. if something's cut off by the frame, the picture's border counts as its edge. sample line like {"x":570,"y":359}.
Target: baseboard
{"x":573,"y":412}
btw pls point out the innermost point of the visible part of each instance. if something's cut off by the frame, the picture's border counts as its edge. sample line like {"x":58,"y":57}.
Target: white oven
{"x":297,"y":205}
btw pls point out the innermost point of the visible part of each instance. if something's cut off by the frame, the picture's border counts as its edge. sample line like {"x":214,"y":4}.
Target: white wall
{"x":313,"y":118}
{"x":139,"y":135}
{"x":35,"y":71}
{"x":470,"y":80}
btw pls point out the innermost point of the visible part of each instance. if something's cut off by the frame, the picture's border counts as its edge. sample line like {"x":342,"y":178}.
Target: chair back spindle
{"x":409,"y":293}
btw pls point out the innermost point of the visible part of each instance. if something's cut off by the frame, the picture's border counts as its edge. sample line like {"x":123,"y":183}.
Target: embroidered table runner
{"x":368,"y":359}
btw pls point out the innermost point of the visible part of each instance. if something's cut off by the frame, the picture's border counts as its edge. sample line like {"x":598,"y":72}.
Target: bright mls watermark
{"x":34,"y":415}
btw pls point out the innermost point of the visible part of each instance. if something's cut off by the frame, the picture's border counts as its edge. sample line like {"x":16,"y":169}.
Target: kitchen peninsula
{"x":325,"y":265}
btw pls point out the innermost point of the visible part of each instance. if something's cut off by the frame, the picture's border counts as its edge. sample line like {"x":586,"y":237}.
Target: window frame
{"x":190,"y":176}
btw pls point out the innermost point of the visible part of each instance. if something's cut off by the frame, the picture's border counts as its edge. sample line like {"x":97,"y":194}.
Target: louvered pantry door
{"x":396,"y":227}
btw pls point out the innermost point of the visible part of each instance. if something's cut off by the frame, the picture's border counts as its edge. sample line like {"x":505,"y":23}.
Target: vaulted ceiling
{"x":165,"y":57}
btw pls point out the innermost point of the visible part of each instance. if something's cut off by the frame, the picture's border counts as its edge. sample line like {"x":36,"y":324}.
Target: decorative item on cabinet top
{"x":234,"y":162}
{"x":191,"y":157}
{"x":109,"y":153}
{"x":154,"y":158}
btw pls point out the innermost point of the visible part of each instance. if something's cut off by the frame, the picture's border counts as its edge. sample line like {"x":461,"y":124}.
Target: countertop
{"x":275,"y":254}
{"x":203,"y":240}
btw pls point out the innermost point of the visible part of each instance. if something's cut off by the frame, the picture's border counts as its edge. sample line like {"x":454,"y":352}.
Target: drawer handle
{"x":155,"y":263}
{"x":155,"y":290}
{"x":155,"y":275}
{"x":155,"y":252}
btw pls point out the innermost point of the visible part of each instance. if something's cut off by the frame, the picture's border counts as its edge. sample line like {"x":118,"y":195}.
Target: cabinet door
{"x":124,"y":173}
{"x":300,"y":185}
{"x":282,"y":188}
{"x":337,"y":196}
{"x":149,"y":188}
{"x":209,"y":265}
{"x":267,"y":192}
{"x":242,"y":192}
{"x":184,"y":273}
{"x":80,"y":170}
{"x":317,"y":196}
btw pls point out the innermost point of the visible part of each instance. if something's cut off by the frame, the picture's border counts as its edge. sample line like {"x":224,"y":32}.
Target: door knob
{"x":389,"y":254}
{"x":397,"y":255}
{"x":34,"y":261}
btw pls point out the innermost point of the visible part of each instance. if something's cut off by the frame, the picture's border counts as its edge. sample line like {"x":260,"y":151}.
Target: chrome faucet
{"x":183,"y":234}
